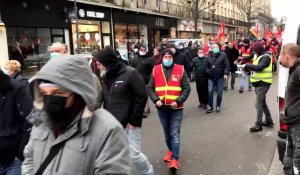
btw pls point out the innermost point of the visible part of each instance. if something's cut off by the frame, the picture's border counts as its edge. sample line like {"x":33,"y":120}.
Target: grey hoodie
{"x":95,"y":142}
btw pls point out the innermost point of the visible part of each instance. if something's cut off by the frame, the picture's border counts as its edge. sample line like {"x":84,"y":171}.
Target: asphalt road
{"x":217,"y":143}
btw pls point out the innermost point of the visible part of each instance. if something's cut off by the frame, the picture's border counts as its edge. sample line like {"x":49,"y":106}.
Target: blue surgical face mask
{"x":167,"y":63}
{"x":216,"y":50}
{"x":5,"y":71}
{"x":54,"y":55}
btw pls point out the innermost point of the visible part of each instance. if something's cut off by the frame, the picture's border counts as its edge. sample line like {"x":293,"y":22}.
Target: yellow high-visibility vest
{"x":264,"y":75}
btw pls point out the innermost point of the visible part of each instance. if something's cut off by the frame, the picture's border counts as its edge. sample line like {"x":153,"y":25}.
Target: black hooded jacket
{"x":15,"y":106}
{"x":124,"y":91}
{"x":182,"y":59}
{"x":144,"y":64}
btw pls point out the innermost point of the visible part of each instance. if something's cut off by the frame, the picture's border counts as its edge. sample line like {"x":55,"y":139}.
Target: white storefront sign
{"x":90,"y":14}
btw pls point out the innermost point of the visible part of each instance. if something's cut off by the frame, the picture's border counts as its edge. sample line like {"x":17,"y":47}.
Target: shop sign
{"x":159,"y":22}
{"x":189,"y":26}
{"x":90,"y":14}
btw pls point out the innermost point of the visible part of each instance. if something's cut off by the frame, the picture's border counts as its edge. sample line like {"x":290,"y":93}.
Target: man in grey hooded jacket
{"x":93,"y":142}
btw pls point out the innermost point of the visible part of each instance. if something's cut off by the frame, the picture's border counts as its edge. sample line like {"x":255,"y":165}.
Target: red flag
{"x":255,"y":31}
{"x":279,"y":35}
{"x":221,"y":32}
{"x":268,"y":35}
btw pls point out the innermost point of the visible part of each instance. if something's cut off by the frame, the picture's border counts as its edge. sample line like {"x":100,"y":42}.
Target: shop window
{"x":121,"y":39}
{"x":89,"y":36}
{"x":105,"y":27}
{"x":58,"y":31}
{"x":143,"y":35}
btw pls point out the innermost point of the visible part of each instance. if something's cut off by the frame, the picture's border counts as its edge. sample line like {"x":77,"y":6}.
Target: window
{"x":225,"y":14}
{"x":105,"y":27}
{"x":221,"y":11}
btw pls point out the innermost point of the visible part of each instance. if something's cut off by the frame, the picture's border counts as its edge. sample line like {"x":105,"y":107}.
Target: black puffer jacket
{"x":199,"y":65}
{"x":144,"y":65}
{"x":125,"y":95}
{"x":218,"y":65}
{"x":182,"y":59}
{"x":233,"y":55}
{"x":15,"y":106}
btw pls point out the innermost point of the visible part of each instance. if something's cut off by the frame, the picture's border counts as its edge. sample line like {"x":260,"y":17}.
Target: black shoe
{"x":269,"y":124}
{"x":200,"y":105}
{"x":241,"y":90}
{"x":232,"y":87}
{"x":256,"y":128}
{"x":204,"y":106}
{"x":209,"y":110}
{"x":225,"y":88}
{"x":250,"y":88}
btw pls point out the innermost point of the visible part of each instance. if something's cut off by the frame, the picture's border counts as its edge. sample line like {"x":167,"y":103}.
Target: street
{"x":217,"y":143}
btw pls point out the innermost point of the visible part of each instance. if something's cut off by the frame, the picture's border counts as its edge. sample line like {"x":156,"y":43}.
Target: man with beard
{"x":290,"y":58}
{"x":232,"y":54}
{"x":15,"y":105}
{"x":72,"y":138}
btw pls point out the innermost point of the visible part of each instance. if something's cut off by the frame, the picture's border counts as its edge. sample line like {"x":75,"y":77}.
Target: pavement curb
{"x":276,"y":166}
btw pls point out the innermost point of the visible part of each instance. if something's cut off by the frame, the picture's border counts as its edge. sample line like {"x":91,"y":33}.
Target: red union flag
{"x":220,"y":34}
{"x":254,"y":30}
{"x":268,"y":35}
{"x":279,"y":36}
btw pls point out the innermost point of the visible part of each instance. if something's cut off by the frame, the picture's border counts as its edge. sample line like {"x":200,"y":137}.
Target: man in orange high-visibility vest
{"x":169,"y":89}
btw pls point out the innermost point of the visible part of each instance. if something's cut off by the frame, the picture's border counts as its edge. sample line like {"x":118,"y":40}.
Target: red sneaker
{"x":174,"y":165}
{"x":168,"y":156}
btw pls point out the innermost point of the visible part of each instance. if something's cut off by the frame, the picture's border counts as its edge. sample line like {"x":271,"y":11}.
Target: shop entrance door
{"x":158,"y":34}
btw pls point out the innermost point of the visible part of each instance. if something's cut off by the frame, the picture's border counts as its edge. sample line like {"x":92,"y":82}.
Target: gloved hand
{"x":241,"y":66}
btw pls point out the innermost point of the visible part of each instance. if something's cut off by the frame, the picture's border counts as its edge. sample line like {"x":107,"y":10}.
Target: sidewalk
{"x":276,"y":166}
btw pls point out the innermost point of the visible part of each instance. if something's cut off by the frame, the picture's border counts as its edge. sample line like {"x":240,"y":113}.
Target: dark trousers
{"x":232,"y":80}
{"x":215,"y":84}
{"x":261,"y":105}
{"x":274,"y":67}
{"x":12,"y":169}
{"x":171,"y":122}
{"x":202,"y":90}
{"x":291,"y":160}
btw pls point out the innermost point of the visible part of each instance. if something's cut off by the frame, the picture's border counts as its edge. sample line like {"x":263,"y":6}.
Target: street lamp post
{"x":76,"y":24}
{"x":213,"y":10}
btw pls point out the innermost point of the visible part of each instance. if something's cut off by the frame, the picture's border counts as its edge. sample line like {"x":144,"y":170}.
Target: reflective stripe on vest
{"x":168,"y":92}
{"x":264,"y":75}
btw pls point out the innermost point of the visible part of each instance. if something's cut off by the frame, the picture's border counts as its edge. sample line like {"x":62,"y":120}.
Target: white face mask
{"x":201,"y":55}
{"x":135,"y":50}
{"x":142,"y":53}
{"x":180,"y":47}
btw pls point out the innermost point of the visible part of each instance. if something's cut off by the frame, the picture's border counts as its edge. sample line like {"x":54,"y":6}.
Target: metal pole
{"x":76,"y":23}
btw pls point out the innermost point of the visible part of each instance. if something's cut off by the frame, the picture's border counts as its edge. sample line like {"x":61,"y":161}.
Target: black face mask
{"x":54,"y":106}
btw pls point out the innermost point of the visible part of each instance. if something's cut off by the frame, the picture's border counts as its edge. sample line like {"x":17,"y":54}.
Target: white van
{"x":176,"y":41}
{"x":291,"y":35}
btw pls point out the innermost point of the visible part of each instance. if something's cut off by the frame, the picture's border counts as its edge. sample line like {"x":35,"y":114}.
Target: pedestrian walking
{"x":261,"y":79}
{"x":72,"y":138}
{"x":57,"y":49}
{"x":169,"y":89}
{"x":144,"y":65}
{"x":125,"y":96}
{"x":199,"y":65}
{"x":246,"y":58}
{"x":180,"y":58}
{"x":13,"y":69}
{"x":15,"y":106}
{"x":290,"y":58}
{"x":232,"y":54}
{"x":157,"y":56}
{"x":218,"y":69}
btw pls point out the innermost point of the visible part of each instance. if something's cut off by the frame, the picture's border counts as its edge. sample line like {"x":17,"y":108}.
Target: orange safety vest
{"x":246,"y":53}
{"x":168,"y":92}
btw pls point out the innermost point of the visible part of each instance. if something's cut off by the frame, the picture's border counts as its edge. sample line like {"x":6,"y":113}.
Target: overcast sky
{"x":280,"y":8}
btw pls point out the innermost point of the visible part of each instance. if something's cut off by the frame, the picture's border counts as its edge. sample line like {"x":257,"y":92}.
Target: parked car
{"x":176,"y":41}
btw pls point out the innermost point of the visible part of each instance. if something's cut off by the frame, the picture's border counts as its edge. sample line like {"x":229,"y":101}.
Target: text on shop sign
{"x":90,"y":14}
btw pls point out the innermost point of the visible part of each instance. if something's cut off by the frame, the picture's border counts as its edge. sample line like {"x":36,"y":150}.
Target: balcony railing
{"x":168,"y":8}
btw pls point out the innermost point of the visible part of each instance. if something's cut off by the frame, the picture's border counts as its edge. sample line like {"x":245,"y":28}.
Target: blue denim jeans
{"x":12,"y":169}
{"x":139,"y":159}
{"x":216,"y":83}
{"x":243,"y":80}
{"x":171,"y":122}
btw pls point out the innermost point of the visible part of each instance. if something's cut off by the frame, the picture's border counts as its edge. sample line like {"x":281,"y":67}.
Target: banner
{"x":268,"y":35}
{"x":254,"y":30}
{"x":220,"y":34}
{"x":278,"y":35}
